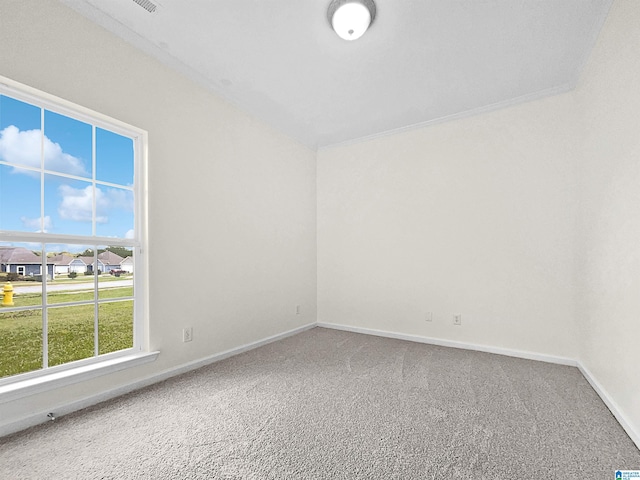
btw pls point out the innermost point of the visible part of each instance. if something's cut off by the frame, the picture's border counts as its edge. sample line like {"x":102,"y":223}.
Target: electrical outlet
{"x":428,"y":317}
{"x":457,"y":319}
{"x":187,"y":334}
{"x":297,"y":309}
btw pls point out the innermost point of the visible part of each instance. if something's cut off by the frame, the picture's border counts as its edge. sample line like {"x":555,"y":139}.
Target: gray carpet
{"x":337,"y":405}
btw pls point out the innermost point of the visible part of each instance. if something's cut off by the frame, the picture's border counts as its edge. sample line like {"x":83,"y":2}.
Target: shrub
{"x":72,"y":274}
{"x":12,"y":276}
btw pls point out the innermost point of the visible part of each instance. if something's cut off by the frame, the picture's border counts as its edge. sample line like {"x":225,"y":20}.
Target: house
{"x":517,"y":215}
{"x":88,"y":263}
{"x":62,"y":263}
{"x":24,"y":262}
{"x":65,"y":264}
{"x":127,"y":264}
{"x":110,"y":261}
{"x":80,"y":265}
{"x":107,"y":261}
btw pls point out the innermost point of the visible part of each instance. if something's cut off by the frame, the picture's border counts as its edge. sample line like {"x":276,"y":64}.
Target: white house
{"x":62,"y":263}
{"x":110,"y":261}
{"x":127,"y":264}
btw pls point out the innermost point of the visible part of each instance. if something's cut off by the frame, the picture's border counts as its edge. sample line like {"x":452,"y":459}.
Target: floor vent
{"x":147,"y":5}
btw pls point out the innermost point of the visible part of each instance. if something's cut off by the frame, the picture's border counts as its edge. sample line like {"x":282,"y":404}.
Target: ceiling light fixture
{"x":351,"y":18}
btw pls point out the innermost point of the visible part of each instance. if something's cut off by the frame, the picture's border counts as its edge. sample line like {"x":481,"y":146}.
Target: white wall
{"x":472,"y":217}
{"x":228,"y":197}
{"x":609,"y":227}
{"x":523,"y":220}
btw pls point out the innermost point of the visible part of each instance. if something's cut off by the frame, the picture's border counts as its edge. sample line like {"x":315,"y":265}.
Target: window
{"x":71,"y":236}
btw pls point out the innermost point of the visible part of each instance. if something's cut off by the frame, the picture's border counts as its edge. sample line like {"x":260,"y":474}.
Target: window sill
{"x":32,"y":386}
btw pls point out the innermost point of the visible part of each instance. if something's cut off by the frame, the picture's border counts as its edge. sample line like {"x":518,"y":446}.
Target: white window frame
{"x":20,"y":385}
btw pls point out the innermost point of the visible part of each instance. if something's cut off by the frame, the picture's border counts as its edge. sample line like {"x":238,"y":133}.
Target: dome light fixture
{"x":351,"y":18}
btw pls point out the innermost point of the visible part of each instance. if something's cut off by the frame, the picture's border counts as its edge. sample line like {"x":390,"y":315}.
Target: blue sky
{"x":67,"y":149}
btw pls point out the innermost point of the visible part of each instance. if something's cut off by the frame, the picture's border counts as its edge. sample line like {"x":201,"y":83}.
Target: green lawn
{"x":65,"y":280}
{"x":35,"y":299}
{"x":70,"y":330}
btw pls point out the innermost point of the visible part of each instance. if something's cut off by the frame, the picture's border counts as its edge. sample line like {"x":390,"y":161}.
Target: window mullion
{"x":45,"y":337}
{"x":96,"y":347}
{"x":45,"y":319}
{"x":96,"y":292}
{"x":93,"y":180}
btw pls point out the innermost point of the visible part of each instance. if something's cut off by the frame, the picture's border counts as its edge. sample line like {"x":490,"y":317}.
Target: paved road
{"x":73,"y":286}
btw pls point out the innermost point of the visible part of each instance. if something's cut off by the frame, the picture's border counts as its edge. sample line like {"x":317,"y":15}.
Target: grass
{"x":35,"y":299}
{"x":63,"y":279}
{"x":20,"y":342}
{"x":70,"y":329}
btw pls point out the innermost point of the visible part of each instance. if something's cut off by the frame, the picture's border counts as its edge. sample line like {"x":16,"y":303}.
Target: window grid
{"x":93,"y":241}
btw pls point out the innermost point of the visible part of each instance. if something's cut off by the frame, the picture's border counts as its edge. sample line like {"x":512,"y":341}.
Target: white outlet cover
{"x":187,"y":334}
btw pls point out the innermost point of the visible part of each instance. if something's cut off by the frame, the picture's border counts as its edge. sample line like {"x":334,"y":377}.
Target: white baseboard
{"x":611,"y":405}
{"x":602,"y":393}
{"x":450,"y":343}
{"x":64,"y":409}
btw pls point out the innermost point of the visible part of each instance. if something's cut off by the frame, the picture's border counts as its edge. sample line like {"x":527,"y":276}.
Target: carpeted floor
{"x":327,"y":404}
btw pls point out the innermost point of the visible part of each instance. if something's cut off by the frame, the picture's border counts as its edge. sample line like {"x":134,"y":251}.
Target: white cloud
{"x":34,"y":224}
{"x":27,"y":245}
{"x":77,"y":203}
{"x":24,"y":148}
{"x":117,"y":198}
{"x":129,"y":234}
{"x":70,"y":248}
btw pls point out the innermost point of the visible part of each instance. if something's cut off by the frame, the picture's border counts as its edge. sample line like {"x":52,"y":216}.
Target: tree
{"x":122,"y":251}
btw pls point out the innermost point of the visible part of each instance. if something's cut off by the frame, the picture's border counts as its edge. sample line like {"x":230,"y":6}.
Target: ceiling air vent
{"x":147,"y":5}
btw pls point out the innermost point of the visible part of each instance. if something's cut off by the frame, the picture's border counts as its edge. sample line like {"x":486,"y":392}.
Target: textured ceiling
{"x":422,"y":61}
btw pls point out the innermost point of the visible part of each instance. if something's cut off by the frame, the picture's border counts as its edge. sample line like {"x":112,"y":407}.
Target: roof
{"x":15,"y":255}
{"x":110,"y":258}
{"x":61,"y":259}
{"x":89,"y":260}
